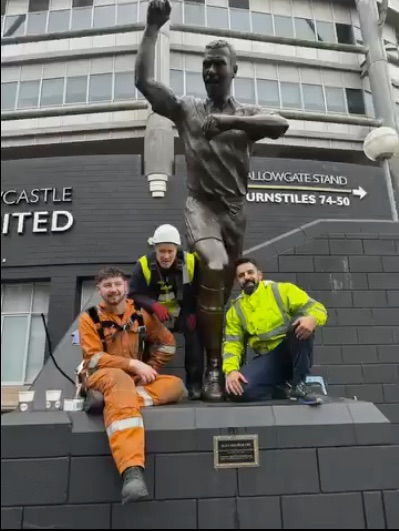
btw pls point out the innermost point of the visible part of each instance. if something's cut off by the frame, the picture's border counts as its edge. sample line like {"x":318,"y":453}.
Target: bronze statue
{"x":218,"y":136}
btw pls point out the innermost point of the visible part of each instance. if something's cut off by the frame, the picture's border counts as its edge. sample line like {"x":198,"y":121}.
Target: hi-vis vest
{"x":167,"y":296}
{"x":264,"y":318}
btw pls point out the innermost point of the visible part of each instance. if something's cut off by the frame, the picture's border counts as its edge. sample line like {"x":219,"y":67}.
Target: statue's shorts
{"x":213,"y":219}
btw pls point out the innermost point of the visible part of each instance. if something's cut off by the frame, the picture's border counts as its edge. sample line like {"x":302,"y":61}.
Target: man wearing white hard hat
{"x":164,"y":283}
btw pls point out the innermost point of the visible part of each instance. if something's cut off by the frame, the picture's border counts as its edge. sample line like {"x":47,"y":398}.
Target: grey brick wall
{"x":356,"y":275}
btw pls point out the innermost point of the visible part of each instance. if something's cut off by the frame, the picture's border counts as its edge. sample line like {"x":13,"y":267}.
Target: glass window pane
{"x":217,"y":17}
{"x":13,"y":344}
{"x":313,"y":97}
{"x":82,"y":3}
{"x":37,"y":342}
{"x":243,"y":4}
{"x":344,"y":33}
{"x":15,"y":26}
{"x":124,"y":86}
{"x":195,"y":85}
{"x":244,"y":90}
{"x":357,"y":35}
{"x":325,"y":32}
{"x":194,"y":14}
{"x":28,"y":94}
{"x":104,"y":17}
{"x":81,"y":18}
{"x":90,"y":294}
{"x":177,"y":13}
{"x":76,"y":90}
{"x":305,"y":29}
{"x":291,"y":96}
{"x":355,"y":101}
{"x":239,"y":20}
{"x":126,"y":14}
{"x":283,"y":26}
{"x":41,"y":298}
{"x":143,"y":11}
{"x":17,"y":298}
{"x":335,"y":99}
{"x":52,"y":92}
{"x":38,"y":5}
{"x":8,"y":93}
{"x":37,"y":23}
{"x":368,"y":100}
{"x":268,"y":93}
{"x":59,"y":20}
{"x":100,"y":87}
{"x":262,"y":23}
{"x":177,"y":82}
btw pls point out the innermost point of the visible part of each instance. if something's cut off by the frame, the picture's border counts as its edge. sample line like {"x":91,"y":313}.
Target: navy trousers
{"x":290,"y":362}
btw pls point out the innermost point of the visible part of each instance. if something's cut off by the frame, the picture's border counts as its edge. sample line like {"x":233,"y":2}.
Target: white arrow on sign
{"x":360,"y":192}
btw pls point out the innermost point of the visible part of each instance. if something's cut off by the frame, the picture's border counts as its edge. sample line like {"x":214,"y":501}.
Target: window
{"x":100,"y":88}
{"x":291,"y":96}
{"x":8,"y":94}
{"x":177,"y":13}
{"x":37,"y":23}
{"x":335,"y":99}
{"x":194,"y":14}
{"x":82,"y":3}
{"x":22,"y":331}
{"x":355,"y":101}
{"x":52,"y":92}
{"x":313,"y":97}
{"x":268,"y":93}
{"x":14,"y":26}
{"x":3,"y":7}
{"x":28,"y":94}
{"x":195,"y":85}
{"x":240,"y":20}
{"x":124,"y":86}
{"x":368,"y":100}
{"x":218,"y":17}
{"x":283,"y":26}
{"x":59,"y":20}
{"x":76,"y":90}
{"x":244,"y":90}
{"x":143,"y":11}
{"x":90,"y":295}
{"x":357,"y":35}
{"x":38,"y":5}
{"x":305,"y":29}
{"x":262,"y":23}
{"x":325,"y":32}
{"x":344,"y":33}
{"x":81,"y":18}
{"x":104,"y":16}
{"x":126,"y":14}
{"x":242,"y":4}
{"x":177,"y":82}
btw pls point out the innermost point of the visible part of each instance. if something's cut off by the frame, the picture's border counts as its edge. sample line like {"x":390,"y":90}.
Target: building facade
{"x":83,"y":184}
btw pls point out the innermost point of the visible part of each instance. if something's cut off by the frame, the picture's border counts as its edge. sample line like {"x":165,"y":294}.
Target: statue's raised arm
{"x":160,"y":96}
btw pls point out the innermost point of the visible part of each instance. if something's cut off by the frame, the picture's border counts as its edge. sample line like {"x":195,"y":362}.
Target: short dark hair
{"x":246,"y":260}
{"x":109,"y":272}
{"x":216,"y":45}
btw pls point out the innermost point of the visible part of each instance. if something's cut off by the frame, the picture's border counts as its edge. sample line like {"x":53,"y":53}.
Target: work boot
{"x":212,"y":390}
{"x":194,"y":391}
{"x":134,"y":486}
{"x":303,"y":395}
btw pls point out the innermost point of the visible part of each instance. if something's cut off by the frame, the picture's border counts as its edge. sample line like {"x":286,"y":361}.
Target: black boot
{"x":194,"y":391}
{"x":213,"y":389}
{"x":134,"y":486}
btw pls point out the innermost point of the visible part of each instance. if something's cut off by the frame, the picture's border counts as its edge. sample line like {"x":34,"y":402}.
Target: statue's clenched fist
{"x":158,"y":13}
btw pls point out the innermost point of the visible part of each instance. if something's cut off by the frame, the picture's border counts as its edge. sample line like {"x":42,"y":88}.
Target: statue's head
{"x":219,"y":69}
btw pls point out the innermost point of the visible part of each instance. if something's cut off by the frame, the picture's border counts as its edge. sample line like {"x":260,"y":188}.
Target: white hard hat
{"x":165,"y":234}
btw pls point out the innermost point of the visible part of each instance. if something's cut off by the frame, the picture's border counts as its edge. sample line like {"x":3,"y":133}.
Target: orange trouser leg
{"x":165,"y":390}
{"x":122,"y":417}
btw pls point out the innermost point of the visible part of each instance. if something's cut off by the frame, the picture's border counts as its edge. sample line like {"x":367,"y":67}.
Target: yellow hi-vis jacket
{"x":264,"y":318}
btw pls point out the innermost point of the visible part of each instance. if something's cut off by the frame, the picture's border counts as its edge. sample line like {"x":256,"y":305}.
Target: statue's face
{"x":218,"y":72}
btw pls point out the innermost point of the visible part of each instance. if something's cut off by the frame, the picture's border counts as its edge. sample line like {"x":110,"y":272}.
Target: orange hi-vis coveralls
{"x":110,"y":373}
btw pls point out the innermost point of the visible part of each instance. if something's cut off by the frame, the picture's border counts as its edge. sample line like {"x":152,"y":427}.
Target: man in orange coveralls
{"x":111,"y":343}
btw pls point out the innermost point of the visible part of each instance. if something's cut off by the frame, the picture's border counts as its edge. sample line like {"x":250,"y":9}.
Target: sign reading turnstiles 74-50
{"x":299,"y":188}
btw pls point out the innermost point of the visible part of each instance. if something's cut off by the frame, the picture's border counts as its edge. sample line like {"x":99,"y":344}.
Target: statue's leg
{"x":205,"y":238}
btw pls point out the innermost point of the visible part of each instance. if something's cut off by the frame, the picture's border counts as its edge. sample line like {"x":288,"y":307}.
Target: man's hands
{"x":233,"y":383}
{"x":146,"y":373}
{"x":158,"y":13}
{"x":304,"y":327}
{"x":215,"y":124}
{"x":160,"y":311}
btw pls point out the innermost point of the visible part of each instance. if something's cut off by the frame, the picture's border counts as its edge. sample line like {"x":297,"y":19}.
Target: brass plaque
{"x":235,"y":451}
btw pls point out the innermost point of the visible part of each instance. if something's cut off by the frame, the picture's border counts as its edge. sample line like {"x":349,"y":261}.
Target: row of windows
{"x":94,"y":88}
{"x":279,"y":94}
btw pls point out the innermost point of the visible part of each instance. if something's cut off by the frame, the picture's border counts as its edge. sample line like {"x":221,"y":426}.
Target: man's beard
{"x":250,"y":287}
{"x":115,"y":300}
